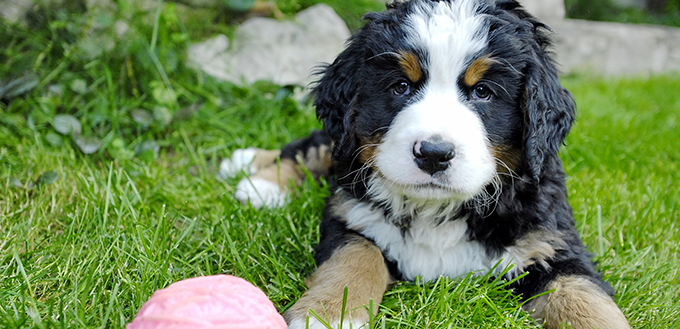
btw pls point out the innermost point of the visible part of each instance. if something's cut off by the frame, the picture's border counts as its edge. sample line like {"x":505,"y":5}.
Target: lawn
{"x":85,"y":239}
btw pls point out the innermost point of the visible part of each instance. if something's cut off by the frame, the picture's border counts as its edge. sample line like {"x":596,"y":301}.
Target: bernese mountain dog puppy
{"x":442,"y":122}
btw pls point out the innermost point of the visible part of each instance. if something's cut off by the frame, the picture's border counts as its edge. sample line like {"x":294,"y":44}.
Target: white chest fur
{"x":426,"y":249}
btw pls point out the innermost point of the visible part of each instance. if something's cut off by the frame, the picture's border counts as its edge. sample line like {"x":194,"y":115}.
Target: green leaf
{"x":239,"y":5}
{"x":90,"y":48}
{"x":16,"y":182}
{"x":161,"y":93}
{"x":47,"y":178}
{"x":142,"y":117}
{"x":30,"y":123}
{"x":186,"y":112}
{"x":66,"y":124}
{"x":147,"y":145}
{"x":94,"y":46}
{"x":89,"y":144}
{"x":147,"y":150}
{"x":19,"y":86}
{"x":54,"y":139}
{"x":79,"y":86}
{"x":162,"y":115}
{"x":117,"y":149}
{"x":103,"y":20}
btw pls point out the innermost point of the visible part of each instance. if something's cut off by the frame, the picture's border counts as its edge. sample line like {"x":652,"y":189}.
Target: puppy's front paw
{"x":241,"y":161}
{"x":260,"y":192}
{"x":315,"y":324}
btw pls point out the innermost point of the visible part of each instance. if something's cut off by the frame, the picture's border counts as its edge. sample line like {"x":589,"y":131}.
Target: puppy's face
{"x":443,"y":91}
{"x":436,"y":98}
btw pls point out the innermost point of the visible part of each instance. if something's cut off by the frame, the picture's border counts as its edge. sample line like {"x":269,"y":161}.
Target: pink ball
{"x":209,"y":302}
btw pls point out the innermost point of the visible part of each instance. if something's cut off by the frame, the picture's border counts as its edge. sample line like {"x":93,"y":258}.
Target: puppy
{"x":442,"y":122}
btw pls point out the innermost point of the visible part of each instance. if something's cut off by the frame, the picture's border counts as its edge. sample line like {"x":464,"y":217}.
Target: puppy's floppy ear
{"x":549,"y":107}
{"x":336,"y":91}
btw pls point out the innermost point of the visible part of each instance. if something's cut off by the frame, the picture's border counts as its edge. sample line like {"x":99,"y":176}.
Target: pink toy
{"x":209,"y":302}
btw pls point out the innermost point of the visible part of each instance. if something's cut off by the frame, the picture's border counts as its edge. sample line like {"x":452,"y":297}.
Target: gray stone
{"x":615,"y":48}
{"x":14,"y":10}
{"x":284,"y":52}
{"x":608,"y":48}
{"x":547,"y":10}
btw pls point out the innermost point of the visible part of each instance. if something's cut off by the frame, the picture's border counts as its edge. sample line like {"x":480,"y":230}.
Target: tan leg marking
{"x":269,"y":183}
{"x":578,"y":302}
{"x":264,"y":158}
{"x":281,"y":173}
{"x":536,"y":248}
{"x":360,"y":267}
{"x":318,"y":160}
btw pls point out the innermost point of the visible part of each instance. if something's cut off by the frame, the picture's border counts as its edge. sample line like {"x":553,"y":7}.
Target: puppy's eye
{"x":402,"y":88}
{"x":482,"y":92}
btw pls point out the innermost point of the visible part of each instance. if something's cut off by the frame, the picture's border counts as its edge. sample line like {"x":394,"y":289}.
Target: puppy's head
{"x":437,"y":98}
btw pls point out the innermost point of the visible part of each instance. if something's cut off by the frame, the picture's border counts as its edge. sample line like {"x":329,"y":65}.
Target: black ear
{"x":549,"y":108}
{"x":337,"y":90}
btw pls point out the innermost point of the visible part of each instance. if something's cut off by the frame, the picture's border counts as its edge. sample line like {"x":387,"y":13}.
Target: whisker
{"x":510,"y":65}
{"x":502,"y":87}
{"x":357,"y":153}
{"x":483,"y":202}
{"x":379,"y":129}
{"x":383,"y":54}
{"x":511,"y":173}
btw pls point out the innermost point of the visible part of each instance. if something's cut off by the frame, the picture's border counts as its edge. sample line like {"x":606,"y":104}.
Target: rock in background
{"x":546,"y":10}
{"x":286,"y":52}
{"x":614,"y":49}
{"x":282,"y":51}
{"x":14,"y":10}
{"x":610,"y":49}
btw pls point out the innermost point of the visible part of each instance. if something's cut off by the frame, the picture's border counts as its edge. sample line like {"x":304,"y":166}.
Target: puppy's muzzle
{"x":434,"y":154}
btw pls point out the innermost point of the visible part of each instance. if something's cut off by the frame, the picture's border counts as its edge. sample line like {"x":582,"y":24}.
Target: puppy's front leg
{"x":271,"y":171}
{"x":359,"y":266}
{"x":578,"y":302}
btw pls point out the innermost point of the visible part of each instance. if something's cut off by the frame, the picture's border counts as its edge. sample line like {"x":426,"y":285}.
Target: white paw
{"x":241,"y":161}
{"x":260,"y":193}
{"x":315,"y":324}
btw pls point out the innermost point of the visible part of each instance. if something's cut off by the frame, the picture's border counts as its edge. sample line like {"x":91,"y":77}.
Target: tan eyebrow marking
{"x":477,"y":70}
{"x":409,"y":63}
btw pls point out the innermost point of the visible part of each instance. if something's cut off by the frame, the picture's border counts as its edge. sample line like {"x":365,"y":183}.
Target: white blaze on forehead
{"x":449,"y":32}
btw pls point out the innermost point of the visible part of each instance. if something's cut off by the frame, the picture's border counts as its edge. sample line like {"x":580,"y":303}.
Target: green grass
{"x":610,"y":11}
{"x":86,"y":239}
{"x":622,"y":158}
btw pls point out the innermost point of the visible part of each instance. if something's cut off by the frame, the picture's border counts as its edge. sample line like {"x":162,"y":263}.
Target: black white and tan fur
{"x":444,"y":120}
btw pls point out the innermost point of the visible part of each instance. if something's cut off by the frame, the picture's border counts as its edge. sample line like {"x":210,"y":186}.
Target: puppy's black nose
{"x":433,"y":156}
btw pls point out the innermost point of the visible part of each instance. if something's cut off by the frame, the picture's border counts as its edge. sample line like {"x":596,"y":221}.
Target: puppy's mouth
{"x":437,"y":183}
{"x":435,"y":190}
{"x":439,"y":187}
